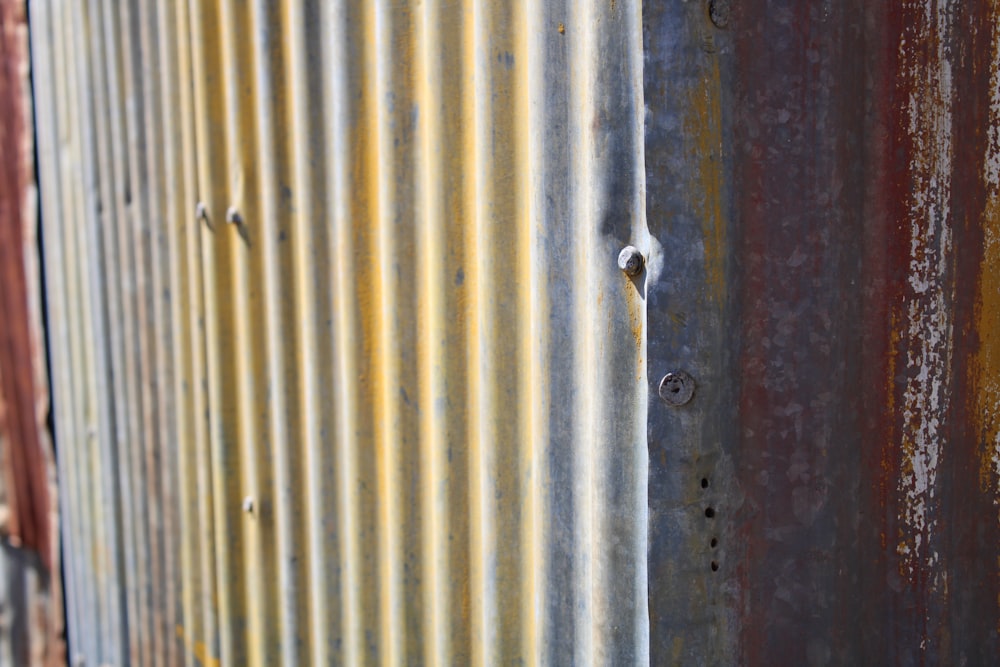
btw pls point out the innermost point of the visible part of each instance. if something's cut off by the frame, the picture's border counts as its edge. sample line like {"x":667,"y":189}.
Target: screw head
{"x":233,"y":216}
{"x":248,"y":504}
{"x":676,"y":388}
{"x":200,"y":211}
{"x":630,"y":260}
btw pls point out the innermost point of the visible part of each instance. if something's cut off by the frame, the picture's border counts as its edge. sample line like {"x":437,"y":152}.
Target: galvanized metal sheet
{"x":348,"y":371}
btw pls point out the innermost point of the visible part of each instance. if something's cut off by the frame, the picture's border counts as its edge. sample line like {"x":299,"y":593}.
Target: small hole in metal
{"x":709,"y":512}
{"x":714,"y":543}
{"x":704,"y":482}
{"x":715,"y":566}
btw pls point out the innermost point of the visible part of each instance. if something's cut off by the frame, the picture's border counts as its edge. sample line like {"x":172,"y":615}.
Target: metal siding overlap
{"x":349,"y":372}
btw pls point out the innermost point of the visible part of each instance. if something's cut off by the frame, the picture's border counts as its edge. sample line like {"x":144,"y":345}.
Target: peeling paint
{"x":926,"y":318}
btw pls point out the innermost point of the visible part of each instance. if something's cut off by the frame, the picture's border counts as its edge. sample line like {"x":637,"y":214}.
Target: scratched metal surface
{"x":381,"y":397}
{"x":823,"y":179}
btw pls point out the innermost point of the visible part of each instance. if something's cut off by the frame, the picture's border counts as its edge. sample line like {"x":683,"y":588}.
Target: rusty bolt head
{"x":630,"y":261}
{"x":248,"y":504}
{"x":676,"y":388}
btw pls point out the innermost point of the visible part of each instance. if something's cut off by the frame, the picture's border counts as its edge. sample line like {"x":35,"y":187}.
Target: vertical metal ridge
{"x":116,"y":293}
{"x":398,"y":364}
{"x":379,"y":42}
{"x":620,"y":515}
{"x":558,"y":385}
{"x":480,"y":597}
{"x":160,"y":461}
{"x":500,"y":231}
{"x":219,"y":180}
{"x":203,"y":63}
{"x":239,"y":233}
{"x":431,"y":262}
{"x":311,"y":265}
{"x":358,"y":266}
{"x":587,"y":408}
{"x":73,"y":214}
{"x":52,"y":90}
{"x":175,"y":214}
{"x":585,"y":292}
{"x":126,"y":190}
{"x":554,"y":317}
{"x":46,"y":125}
{"x":527,"y":450}
{"x":102,"y":429}
{"x":138,"y":223}
{"x":181,"y":163}
{"x":343,"y":198}
{"x":443,"y":267}
{"x":280,"y":348}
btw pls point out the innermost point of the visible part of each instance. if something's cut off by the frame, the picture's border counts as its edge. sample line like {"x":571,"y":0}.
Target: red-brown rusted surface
{"x":24,"y":464}
{"x":854,"y":364}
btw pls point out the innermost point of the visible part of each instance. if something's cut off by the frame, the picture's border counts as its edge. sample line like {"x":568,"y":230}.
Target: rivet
{"x":200,"y":211}
{"x":233,"y":216}
{"x":630,"y":261}
{"x":248,"y":504}
{"x":676,"y":388}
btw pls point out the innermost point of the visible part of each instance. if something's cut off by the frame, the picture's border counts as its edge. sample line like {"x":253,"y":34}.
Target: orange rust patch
{"x":985,"y":369}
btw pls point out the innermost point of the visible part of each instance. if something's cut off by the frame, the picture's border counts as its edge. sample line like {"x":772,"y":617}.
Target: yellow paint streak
{"x":198,"y":649}
{"x":704,"y":127}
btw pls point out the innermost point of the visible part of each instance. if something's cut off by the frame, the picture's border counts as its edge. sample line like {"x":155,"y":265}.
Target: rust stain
{"x":635,"y":311}
{"x":21,"y":424}
{"x":985,"y":369}
{"x":704,"y":126}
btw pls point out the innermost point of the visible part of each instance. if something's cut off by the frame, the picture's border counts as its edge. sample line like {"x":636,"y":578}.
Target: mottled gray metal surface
{"x":693,"y":494}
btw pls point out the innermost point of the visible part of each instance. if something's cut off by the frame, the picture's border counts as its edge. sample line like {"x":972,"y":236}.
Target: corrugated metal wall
{"x":345,"y":370}
{"x":344,"y":367}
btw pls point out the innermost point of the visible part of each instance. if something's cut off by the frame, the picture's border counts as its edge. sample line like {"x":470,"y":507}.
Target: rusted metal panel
{"x":22,"y":401}
{"x":31,"y":605}
{"x":348,"y":372}
{"x":843,"y":158}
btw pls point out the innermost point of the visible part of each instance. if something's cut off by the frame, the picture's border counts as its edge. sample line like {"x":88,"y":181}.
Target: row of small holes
{"x":710,"y":513}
